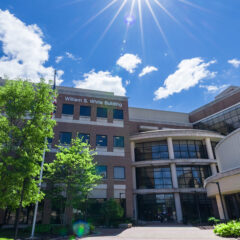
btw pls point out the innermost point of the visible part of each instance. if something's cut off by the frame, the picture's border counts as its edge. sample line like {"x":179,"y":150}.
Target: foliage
{"x":73,"y":173}
{"x":25,"y":121}
{"x":230,"y":229}
{"x":213,"y":221}
{"x":111,"y":211}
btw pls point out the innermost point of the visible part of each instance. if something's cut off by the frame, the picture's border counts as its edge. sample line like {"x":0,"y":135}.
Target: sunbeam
{"x":157,"y":23}
{"x":141,"y":22}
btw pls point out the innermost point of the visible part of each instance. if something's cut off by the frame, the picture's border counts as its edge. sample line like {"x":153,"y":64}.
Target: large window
{"x":101,"y":141}
{"x":192,"y":176}
{"x":117,"y":114}
{"x":85,"y":137}
{"x":102,"y":112}
{"x":118,"y":141}
{"x":156,"y":207}
{"x":119,"y":172}
{"x":224,"y":122}
{"x":65,"y":137}
{"x":151,"y":151}
{"x":149,"y":177}
{"x":67,"y":109}
{"x":189,"y":149}
{"x":102,"y":170}
{"x":85,"y":111}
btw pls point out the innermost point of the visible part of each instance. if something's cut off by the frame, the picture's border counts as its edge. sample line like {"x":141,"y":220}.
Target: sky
{"x":173,"y":55}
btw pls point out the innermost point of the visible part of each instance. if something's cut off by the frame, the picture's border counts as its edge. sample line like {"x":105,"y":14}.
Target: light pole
{"x":41,"y":172}
{"x":221,"y":198}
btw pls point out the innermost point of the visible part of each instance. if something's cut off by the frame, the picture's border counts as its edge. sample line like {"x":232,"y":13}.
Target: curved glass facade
{"x":189,"y":149}
{"x":151,"y":151}
{"x":150,"y":177}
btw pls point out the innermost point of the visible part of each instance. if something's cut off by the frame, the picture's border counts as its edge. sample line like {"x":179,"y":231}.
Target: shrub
{"x":230,"y":229}
{"x":213,"y":221}
{"x":111,"y":211}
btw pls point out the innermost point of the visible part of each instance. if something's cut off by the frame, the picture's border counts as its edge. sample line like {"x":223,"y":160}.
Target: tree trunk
{"x":68,"y":211}
{"x":18,"y":211}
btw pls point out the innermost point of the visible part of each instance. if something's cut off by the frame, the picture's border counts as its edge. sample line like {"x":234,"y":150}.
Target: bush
{"x":213,"y":221}
{"x":230,"y":229}
{"x":112,"y":212}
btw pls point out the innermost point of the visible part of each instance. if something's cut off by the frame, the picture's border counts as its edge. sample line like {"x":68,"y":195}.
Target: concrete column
{"x":213,"y":169}
{"x":220,"y":207}
{"x":174,"y":175}
{"x":170,"y":148}
{"x":209,"y":148}
{"x":132,"y":146}
{"x":178,"y":207}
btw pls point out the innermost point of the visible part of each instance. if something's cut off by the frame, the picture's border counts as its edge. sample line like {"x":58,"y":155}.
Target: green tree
{"x":73,"y":173}
{"x":111,"y":211}
{"x":25,"y":122}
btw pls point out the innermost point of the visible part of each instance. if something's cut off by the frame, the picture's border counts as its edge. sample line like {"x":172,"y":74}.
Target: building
{"x":153,"y":162}
{"x":228,"y":157}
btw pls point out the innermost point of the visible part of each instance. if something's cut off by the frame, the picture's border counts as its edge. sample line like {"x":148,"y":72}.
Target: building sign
{"x":93,"y":101}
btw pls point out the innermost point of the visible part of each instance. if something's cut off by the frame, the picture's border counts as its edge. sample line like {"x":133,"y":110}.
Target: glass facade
{"x":151,"y":151}
{"x":117,"y":114}
{"x":68,"y":109}
{"x":214,"y":144}
{"x":156,"y":207}
{"x":150,"y":177}
{"x":118,"y":141}
{"x":102,"y":112}
{"x":102,"y":170}
{"x":85,"y":111}
{"x":189,"y":149}
{"x":224,"y":122}
{"x":85,"y":137}
{"x":196,"y":207}
{"x":119,"y":172}
{"x":192,"y":176}
{"x":65,"y":137}
{"x":233,"y":205}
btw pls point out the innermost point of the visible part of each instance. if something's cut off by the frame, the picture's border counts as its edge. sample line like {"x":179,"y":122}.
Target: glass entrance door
{"x":156,"y":207}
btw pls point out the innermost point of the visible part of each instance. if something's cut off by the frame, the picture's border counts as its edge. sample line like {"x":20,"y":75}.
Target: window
{"x":153,"y":177}
{"x":85,"y":111}
{"x":117,"y":114}
{"x":101,"y":141}
{"x":65,"y":137}
{"x":151,"y":151}
{"x":102,"y":112}
{"x":192,"y":176}
{"x":189,"y":149}
{"x":119,"y":172}
{"x":214,"y":144}
{"x":67,"y":109}
{"x":118,"y":142}
{"x":85,"y":137}
{"x":102,"y":170}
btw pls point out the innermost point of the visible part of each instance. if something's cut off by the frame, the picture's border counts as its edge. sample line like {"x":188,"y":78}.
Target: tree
{"x":111,"y":211}
{"x":73,"y":173}
{"x":25,"y":122}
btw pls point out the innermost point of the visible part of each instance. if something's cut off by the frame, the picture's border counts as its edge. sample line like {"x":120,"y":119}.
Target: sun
{"x":132,"y":16}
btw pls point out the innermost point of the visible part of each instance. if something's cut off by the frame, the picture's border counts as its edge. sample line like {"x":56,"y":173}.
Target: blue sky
{"x":177,"y":57}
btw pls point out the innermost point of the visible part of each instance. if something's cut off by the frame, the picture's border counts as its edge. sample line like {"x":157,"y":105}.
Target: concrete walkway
{"x":156,"y":232}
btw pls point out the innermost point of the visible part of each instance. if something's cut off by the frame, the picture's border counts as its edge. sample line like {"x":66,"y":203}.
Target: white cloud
{"x":147,"y":69}
{"x":127,"y":82}
{"x":214,"y":88}
{"x":71,"y":56}
{"x":25,"y":52}
{"x":189,"y":73}
{"x":103,"y":81}
{"x":129,"y":62}
{"x":58,"y":59}
{"x":235,"y":62}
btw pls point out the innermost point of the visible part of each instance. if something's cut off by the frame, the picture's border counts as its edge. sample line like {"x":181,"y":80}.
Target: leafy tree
{"x":111,"y":211}
{"x":73,"y":173}
{"x":25,"y":122}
